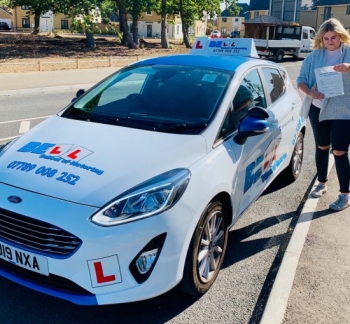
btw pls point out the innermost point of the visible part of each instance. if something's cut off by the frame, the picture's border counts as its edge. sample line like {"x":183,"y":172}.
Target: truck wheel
{"x":206,"y":251}
{"x":279,"y":56}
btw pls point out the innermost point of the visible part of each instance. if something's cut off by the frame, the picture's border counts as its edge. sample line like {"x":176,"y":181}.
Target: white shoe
{"x":320,"y":189}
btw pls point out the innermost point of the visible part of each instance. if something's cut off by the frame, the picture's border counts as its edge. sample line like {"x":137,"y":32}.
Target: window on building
{"x":25,"y":22}
{"x":24,"y":7}
{"x":64,"y":24}
{"x":223,"y":30}
{"x":256,"y":14}
{"x":224,"y":20}
{"x":177,"y":30}
{"x":348,"y":10}
{"x":236,"y":19}
{"x":149,"y":13}
{"x":327,"y":13}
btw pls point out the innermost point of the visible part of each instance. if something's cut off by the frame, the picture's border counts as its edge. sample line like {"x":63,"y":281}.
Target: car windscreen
{"x":161,"y":98}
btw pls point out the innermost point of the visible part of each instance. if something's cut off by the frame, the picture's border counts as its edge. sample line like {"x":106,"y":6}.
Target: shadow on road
{"x":23,"y":305}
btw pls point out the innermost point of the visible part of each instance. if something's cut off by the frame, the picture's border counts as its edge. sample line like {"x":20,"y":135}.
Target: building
{"x":226,"y":23}
{"x":258,"y":8}
{"x":6,"y":16}
{"x":149,"y":26}
{"x":48,"y":21}
{"x":308,"y":17}
{"x":339,"y":9}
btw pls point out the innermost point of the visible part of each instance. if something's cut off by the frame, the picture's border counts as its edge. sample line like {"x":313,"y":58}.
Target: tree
{"x":232,"y":8}
{"x":165,"y":8}
{"x":163,"y":22}
{"x":192,"y":10}
{"x":108,"y":9}
{"x":36,"y":8}
{"x":85,"y":11}
{"x":137,"y":7}
{"x":123,"y":23}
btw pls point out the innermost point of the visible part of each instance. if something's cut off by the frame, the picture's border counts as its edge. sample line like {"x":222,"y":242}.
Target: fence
{"x":77,"y":63}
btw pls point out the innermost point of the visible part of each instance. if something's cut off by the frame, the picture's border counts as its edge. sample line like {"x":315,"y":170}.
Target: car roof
{"x":222,"y":62}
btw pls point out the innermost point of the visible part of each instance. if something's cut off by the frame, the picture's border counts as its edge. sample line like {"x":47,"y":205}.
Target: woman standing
{"x":329,"y":117}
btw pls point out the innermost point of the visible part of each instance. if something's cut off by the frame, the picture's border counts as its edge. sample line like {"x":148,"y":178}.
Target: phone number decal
{"x":65,"y":177}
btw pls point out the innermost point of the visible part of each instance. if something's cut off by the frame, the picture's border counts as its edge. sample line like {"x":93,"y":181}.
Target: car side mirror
{"x":255,"y":123}
{"x":79,"y":93}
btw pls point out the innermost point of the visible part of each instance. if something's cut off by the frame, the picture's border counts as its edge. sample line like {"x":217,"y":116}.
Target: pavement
{"x":312,"y":284}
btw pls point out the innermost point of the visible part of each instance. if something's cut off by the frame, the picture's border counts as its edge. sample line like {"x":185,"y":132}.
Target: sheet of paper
{"x":329,"y":82}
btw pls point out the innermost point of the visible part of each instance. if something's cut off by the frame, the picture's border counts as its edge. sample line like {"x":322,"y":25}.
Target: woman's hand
{"x":315,"y":94}
{"x":344,"y":67}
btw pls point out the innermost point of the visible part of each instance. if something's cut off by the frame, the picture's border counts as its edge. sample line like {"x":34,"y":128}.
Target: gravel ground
{"x":28,"y":53}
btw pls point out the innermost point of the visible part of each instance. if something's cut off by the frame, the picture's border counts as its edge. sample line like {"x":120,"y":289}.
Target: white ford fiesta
{"x":132,"y":188}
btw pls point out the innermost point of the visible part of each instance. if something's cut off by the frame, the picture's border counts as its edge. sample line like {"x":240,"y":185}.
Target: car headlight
{"x":147,"y":199}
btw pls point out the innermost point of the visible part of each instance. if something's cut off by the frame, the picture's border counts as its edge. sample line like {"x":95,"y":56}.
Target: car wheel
{"x":206,"y":252}
{"x":291,"y":173}
{"x":279,"y":56}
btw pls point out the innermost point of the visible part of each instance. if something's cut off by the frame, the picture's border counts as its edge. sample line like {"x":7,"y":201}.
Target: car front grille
{"x":36,"y":235}
{"x":51,"y":281}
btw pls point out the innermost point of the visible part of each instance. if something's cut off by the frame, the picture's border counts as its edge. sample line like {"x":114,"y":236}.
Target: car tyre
{"x":292,"y":172}
{"x":279,"y":56}
{"x":206,"y":252}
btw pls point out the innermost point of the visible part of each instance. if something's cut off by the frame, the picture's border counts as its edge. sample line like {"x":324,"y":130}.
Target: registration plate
{"x":24,"y":259}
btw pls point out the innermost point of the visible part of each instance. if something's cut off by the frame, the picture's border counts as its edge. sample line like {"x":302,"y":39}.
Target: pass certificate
{"x":329,"y":82}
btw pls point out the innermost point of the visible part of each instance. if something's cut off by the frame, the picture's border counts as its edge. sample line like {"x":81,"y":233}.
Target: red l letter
{"x":99,"y":274}
{"x":73,"y":155}
{"x":56,"y":150}
{"x":198,"y":45}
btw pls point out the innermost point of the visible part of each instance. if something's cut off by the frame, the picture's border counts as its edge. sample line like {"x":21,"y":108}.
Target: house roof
{"x":5,"y":9}
{"x":259,"y":5}
{"x":332,"y":2}
{"x":265,"y":20}
{"x":244,"y":7}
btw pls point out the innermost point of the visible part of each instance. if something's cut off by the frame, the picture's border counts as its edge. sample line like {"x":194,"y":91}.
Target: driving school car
{"x":132,"y":188}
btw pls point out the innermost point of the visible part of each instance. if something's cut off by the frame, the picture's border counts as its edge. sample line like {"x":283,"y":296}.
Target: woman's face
{"x":331,"y":40}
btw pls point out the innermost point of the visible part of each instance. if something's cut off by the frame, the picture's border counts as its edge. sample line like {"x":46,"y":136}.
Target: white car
{"x":215,"y":34}
{"x":132,"y":188}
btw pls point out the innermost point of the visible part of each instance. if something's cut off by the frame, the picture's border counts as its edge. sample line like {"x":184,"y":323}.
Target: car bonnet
{"x":91,"y":163}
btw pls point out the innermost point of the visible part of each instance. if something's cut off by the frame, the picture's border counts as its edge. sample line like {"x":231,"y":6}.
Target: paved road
{"x":255,"y":249}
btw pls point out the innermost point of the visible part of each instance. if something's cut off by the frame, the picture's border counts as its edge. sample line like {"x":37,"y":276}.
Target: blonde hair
{"x":333,"y":25}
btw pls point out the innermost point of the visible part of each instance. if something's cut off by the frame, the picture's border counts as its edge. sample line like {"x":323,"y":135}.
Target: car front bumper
{"x":98,"y":272}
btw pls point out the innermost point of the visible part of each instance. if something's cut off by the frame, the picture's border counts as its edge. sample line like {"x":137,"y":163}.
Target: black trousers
{"x":335,"y":133}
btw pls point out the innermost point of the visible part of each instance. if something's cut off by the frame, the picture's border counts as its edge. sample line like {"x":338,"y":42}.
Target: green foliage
{"x":5,"y":3}
{"x":77,"y":26}
{"x":34,"y":6}
{"x":232,"y":8}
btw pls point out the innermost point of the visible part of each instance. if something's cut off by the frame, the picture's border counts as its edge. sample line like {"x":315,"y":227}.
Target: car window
{"x":250,"y":93}
{"x":227,"y":127}
{"x":275,"y":83}
{"x":312,"y":34}
{"x":164,"y":98}
{"x":131,"y":84}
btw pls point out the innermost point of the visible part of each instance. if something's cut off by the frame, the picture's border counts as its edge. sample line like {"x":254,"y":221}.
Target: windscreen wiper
{"x":77,"y":117}
{"x":179,"y":127}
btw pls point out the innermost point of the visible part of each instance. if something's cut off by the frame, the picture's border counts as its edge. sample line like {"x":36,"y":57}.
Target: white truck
{"x":286,"y":40}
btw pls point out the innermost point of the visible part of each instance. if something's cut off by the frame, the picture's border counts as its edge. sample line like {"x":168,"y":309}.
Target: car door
{"x":256,"y":156}
{"x":283,"y":103}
